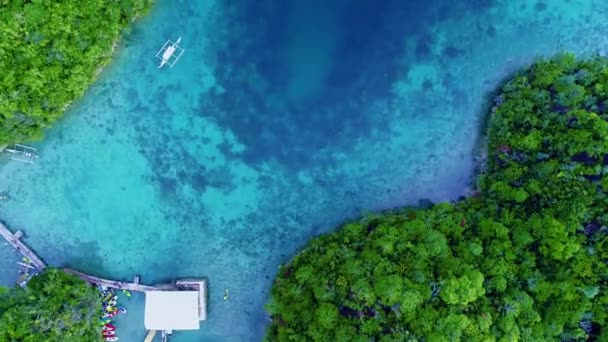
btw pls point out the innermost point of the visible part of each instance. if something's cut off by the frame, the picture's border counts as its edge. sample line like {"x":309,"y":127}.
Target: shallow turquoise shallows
{"x":278,"y":123}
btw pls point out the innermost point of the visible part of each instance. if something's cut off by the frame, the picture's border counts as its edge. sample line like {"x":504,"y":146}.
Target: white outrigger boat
{"x":170,"y":53}
{"x":22,"y":153}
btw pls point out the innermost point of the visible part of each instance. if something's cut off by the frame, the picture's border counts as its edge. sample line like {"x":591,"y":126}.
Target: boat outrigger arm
{"x":170,"y":53}
{"x":22,"y":153}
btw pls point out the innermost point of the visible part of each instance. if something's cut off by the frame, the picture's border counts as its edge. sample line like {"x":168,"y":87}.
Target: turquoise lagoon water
{"x":280,"y":121}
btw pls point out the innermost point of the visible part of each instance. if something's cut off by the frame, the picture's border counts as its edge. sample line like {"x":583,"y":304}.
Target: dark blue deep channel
{"x":281,"y":120}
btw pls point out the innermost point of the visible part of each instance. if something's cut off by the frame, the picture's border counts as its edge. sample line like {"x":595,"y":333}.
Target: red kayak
{"x":108,"y":333}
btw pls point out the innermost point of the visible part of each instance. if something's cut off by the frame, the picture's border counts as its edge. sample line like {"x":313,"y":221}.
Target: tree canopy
{"x":50,"y":53}
{"x":525,"y":259}
{"x":54,"y":306}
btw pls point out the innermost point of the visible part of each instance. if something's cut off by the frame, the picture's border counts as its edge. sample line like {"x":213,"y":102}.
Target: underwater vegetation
{"x":523,"y":258}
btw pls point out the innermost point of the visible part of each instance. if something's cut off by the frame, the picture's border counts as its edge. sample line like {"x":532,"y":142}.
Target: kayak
{"x":109,"y":326}
{"x":113,"y":338}
{"x":122,"y":309}
{"x":108,"y":333}
{"x":111,"y":314}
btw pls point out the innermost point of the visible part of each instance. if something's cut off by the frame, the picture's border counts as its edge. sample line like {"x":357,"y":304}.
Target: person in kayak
{"x":127,"y":293}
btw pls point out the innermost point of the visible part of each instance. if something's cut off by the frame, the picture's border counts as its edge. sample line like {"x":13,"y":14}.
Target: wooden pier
{"x":187,"y":285}
{"x":15,"y":241}
{"x":115,"y":284}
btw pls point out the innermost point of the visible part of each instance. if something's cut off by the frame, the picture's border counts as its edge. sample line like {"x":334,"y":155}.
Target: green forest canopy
{"x":525,"y":259}
{"x":50,"y":52}
{"x":54,"y":306}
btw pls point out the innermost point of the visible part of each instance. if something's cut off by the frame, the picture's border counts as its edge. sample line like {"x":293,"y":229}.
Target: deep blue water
{"x":281,"y":120}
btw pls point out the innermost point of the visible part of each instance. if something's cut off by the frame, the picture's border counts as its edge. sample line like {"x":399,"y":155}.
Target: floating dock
{"x":15,"y":241}
{"x":199,"y":285}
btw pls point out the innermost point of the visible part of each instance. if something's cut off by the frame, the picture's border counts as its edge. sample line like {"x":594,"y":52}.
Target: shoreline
{"x":98,"y":71}
{"x":480,"y":160}
{"x":103,"y":66}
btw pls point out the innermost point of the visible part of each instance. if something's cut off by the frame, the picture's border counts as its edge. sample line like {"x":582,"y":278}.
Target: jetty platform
{"x":14,"y":239}
{"x":199,"y":285}
{"x":168,"y":306}
{"x":135,"y":286}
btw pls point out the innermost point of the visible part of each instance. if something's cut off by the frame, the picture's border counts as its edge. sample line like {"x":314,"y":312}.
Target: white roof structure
{"x":172,"y":310}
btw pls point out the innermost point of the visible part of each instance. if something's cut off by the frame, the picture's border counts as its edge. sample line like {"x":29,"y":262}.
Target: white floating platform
{"x":172,"y":310}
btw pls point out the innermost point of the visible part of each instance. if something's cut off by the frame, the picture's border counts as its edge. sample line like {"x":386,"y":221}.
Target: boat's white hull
{"x":169,"y":52}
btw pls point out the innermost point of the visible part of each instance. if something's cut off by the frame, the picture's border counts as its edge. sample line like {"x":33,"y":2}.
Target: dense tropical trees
{"x":525,"y":260}
{"x":50,"y":52}
{"x":54,"y":306}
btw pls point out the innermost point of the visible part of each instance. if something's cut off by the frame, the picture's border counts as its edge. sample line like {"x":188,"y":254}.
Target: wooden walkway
{"x":15,"y":241}
{"x":120,"y":285}
{"x":150,"y":336}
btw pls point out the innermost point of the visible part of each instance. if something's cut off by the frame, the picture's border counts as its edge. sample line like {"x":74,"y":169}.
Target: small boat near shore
{"x":22,"y":153}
